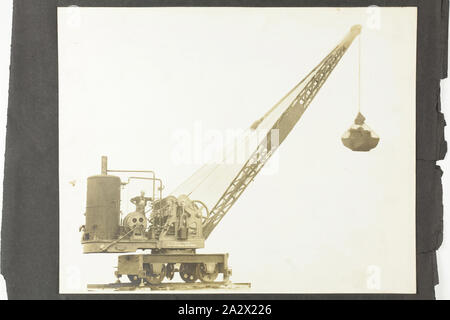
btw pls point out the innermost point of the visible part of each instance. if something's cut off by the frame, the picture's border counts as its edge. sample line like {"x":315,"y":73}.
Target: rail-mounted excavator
{"x":175,"y":226}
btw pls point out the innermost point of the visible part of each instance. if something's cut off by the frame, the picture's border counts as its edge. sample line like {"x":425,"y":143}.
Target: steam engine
{"x":171,"y":227}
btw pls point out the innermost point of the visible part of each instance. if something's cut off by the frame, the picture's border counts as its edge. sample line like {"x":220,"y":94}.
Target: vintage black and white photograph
{"x":237,"y":150}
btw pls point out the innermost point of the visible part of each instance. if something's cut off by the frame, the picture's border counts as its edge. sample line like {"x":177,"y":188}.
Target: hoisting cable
{"x":216,"y":166}
{"x":197,"y":173}
{"x":203,"y":180}
{"x":359,"y":74}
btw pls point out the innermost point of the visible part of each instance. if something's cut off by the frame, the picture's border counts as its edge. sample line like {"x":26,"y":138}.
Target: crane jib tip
{"x":356,"y":29}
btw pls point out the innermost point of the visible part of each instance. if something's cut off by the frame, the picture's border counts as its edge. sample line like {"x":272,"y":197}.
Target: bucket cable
{"x":359,"y":74}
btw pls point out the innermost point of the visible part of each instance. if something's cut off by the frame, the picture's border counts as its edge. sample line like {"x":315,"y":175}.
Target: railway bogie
{"x":153,"y":269}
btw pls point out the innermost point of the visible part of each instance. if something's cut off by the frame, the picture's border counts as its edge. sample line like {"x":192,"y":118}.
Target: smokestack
{"x":104,"y":165}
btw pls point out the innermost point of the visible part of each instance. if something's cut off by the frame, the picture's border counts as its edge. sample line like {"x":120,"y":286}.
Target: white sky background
{"x":328,"y":220}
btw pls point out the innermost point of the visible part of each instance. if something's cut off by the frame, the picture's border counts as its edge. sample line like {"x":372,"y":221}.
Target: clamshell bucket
{"x":360,"y":137}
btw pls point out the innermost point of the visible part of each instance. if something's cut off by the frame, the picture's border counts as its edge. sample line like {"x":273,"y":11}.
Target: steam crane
{"x":177,"y":226}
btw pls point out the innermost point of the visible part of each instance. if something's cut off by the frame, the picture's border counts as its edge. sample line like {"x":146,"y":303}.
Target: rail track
{"x":168,"y":286}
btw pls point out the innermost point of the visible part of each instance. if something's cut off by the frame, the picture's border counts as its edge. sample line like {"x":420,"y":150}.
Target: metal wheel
{"x":153,"y":278}
{"x":134,"y":279}
{"x":188,"y":272}
{"x":204,"y":276}
{"x":204,"y":210}
{"x":170,"y":271}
